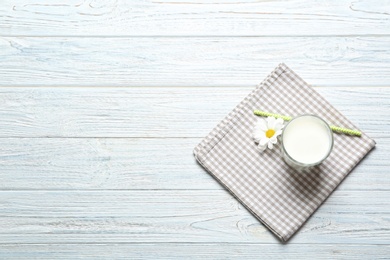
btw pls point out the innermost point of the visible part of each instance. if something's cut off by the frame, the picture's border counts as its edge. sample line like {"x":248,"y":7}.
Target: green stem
{"x":288,"y":118}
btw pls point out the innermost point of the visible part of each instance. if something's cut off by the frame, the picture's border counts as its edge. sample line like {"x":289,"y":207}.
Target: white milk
{"x":307,"y":139}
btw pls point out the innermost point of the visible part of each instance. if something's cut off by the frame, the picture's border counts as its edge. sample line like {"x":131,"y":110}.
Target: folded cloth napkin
{"x":278,"y":196}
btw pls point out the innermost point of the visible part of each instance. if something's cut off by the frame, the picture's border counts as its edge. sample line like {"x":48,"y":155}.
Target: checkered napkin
{"x":281,"y":198}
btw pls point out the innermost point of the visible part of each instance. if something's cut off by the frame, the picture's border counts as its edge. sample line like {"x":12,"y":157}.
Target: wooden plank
{"x":360,"y":217}
{"x":192,"y":17}
{"x":146,"y":163}
{"x":191,"y":61}
{"x":193,"y":251}
{"x":157,"y":112}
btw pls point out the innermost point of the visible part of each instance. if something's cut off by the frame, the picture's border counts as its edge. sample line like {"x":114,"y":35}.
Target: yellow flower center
{"x":270,"y":133}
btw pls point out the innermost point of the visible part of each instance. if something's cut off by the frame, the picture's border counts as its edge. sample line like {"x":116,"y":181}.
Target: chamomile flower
{"x":266,"y":132}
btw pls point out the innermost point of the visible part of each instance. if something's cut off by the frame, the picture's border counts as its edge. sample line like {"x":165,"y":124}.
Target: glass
{"x":307,"y":141}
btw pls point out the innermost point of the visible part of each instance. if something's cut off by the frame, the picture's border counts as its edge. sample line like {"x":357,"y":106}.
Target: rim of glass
{"x":330,"y":147}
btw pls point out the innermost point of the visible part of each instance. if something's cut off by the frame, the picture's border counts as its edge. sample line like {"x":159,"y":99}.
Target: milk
{"x":307,"y":140}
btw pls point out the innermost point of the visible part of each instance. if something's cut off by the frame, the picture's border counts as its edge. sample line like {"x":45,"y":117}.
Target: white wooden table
{"x":102,"y":102}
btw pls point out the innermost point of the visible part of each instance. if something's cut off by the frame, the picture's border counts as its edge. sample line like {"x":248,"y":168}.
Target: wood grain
{"x":191,"y":61}
{"x":135,"y":164}
{"x":157,"y":112}
{"x":150,"y":216}
{"x":193,"y":17}
{"x":102,"y":102}
{"x":199,"y":251}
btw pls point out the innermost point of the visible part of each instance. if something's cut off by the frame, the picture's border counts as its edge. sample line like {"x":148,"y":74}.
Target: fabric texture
{"x":281,"y":198}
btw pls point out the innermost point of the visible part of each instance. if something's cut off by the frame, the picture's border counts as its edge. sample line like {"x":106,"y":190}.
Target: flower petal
{"x":279,"y":124}
{"x":273,"y":139}
{"x":279,"y":121}
{"x":277,"y":133}
{"x":263,"y":141}
{"x":271,"y":122}
{"x":270,"y":145}
{"x":256,"y":137}
{"x":258,"y":130}
{"x":261,"y":148}
{"x":262,"y":125}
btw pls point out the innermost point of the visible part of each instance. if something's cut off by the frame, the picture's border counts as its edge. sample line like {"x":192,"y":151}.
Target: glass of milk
{"x":307,"y":141}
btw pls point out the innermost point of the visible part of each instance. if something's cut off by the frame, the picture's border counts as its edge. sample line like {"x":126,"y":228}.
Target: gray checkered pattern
{"x":279,"y":197}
